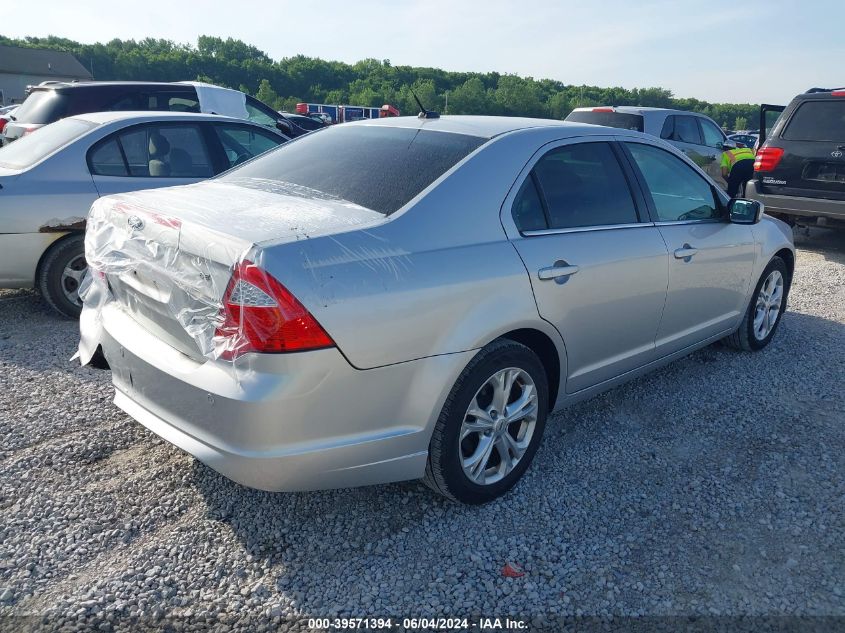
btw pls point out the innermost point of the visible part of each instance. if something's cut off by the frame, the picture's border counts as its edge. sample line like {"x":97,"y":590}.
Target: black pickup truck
{"x":799,"y":171}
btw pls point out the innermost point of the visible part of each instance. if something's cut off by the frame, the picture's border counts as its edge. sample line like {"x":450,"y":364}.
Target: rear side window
{"x":581,"y":185}
{"x":817,"y":121}
{"x":107,"y":160}
{"x":622,"y":120}
{"x":153,"y":151}
{"x":684,"y":130}
{"x":43,"y":106}
{"x":377,"y":167}
{"x":527,"y":209}
{"x":173,"y":102}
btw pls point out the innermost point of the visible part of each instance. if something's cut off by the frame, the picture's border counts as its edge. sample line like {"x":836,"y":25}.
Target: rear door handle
{"x":558,"y":271}
{"x":686,"y":252}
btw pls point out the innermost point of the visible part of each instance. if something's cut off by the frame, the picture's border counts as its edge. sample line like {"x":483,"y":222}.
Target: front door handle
{"x":558,"y":271}
{"x":686,"y":252}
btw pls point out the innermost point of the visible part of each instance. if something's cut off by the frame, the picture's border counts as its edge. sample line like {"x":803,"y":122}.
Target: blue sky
{"x":718,"y":50}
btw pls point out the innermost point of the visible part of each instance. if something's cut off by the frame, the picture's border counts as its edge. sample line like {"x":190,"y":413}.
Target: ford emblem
{"x":135,"y":223}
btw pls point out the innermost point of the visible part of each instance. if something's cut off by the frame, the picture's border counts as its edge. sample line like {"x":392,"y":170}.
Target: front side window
{"x":258,"y":115}
{"x":678,"y":192}
{"x":377,"y":167}
{"x":240,"y":142}
{"x":713,"y":136}
{"x":153,"y":151}
{"x":583,"y":185}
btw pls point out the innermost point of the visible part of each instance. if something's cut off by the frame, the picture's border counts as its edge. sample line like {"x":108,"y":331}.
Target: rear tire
{"x":755,"y":332}
{"x":60,"y":274}
{"x":506,"y":385}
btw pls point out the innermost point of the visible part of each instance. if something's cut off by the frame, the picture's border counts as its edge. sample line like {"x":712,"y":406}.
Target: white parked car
{"x":696,"y":135}
{"x":50,"y":178}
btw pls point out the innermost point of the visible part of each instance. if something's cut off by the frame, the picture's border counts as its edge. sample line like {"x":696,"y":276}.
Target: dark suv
{"x":799,"y":171}
{"x":52,"y":101}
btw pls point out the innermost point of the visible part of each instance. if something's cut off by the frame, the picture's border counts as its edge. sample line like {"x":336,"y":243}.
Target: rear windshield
{"x":817,"y":121}
{"x":42,"y":106}
{"x":37,"y":145}
{"x":380,"y":168}
{"x":609,"y":119}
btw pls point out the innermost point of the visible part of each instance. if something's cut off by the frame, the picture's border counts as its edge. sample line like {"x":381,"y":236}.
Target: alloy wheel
{"x":767,"y":308}
{"x":498,"y":426}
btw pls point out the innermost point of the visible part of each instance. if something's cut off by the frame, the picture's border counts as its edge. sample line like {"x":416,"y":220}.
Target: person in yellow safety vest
{"x":737,"y":168}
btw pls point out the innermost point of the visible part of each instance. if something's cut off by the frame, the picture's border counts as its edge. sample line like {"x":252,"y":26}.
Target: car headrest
{"x":159,"y":146}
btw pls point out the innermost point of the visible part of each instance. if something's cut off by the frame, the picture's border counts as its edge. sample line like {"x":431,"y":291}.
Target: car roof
{"x":640,"y":110}
{"x":480,"y":126}
{"x":64,"y":85}
{"x":102,"y":118}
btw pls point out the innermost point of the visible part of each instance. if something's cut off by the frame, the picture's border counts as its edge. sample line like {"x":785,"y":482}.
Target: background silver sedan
{"x":48,"y":180}
{"x":419,"y":308}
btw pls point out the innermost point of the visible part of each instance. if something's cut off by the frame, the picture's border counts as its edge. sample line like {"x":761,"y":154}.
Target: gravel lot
{"x":714,"y":486}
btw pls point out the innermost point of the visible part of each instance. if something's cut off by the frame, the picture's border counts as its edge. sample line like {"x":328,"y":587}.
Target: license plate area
{"x":825,"y":172}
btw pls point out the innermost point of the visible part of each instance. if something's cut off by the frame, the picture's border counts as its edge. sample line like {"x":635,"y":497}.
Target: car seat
{"x":159,"y":148}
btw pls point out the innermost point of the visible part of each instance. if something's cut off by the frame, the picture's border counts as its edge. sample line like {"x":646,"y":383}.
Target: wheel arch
{"x":546,"y":350}
{"x":788,"y":258}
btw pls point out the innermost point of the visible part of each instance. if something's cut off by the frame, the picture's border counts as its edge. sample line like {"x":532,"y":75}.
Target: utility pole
{"x":446,"y":109}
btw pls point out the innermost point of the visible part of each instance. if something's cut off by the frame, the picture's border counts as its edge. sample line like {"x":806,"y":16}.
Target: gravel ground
{"x":713,"y":486}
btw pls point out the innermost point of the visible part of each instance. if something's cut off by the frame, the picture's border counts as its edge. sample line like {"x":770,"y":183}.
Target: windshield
{"x":42,"y":106}
{"x":37,"y":145}
{"x":608,"y":119}
{"x":379,"y":168}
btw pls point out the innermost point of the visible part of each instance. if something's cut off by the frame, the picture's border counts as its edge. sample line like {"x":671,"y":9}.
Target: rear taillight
{"x":767,"y":158}
{"x":602,"y":109}
{"x":838,"y":93}
{"x":260,"y":315}
{"x":3,"y":123}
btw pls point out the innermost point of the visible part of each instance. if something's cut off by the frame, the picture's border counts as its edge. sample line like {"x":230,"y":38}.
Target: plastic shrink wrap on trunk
{"x":174,"y":259}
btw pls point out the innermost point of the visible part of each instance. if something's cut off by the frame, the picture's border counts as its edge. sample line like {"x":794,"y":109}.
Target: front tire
{"x":490,"y":426}
{"x":765,"y":309}
{"x":60,"y":275}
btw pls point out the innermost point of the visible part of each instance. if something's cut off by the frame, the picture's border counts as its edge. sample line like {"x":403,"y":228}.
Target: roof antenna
{"x":424,"y":114}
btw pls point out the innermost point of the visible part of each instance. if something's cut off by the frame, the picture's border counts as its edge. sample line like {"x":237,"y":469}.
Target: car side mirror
{"x":726,"y":145}
{"x":745,"y":211}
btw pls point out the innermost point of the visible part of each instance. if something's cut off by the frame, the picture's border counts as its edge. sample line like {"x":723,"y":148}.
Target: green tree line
{"x":369,"y":82}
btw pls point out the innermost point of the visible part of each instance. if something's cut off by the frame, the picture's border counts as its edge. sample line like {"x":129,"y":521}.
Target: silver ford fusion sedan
{"x":410,"y":298}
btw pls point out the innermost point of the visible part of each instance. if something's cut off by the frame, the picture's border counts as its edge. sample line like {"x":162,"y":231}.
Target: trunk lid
{"x":167,"y":254}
